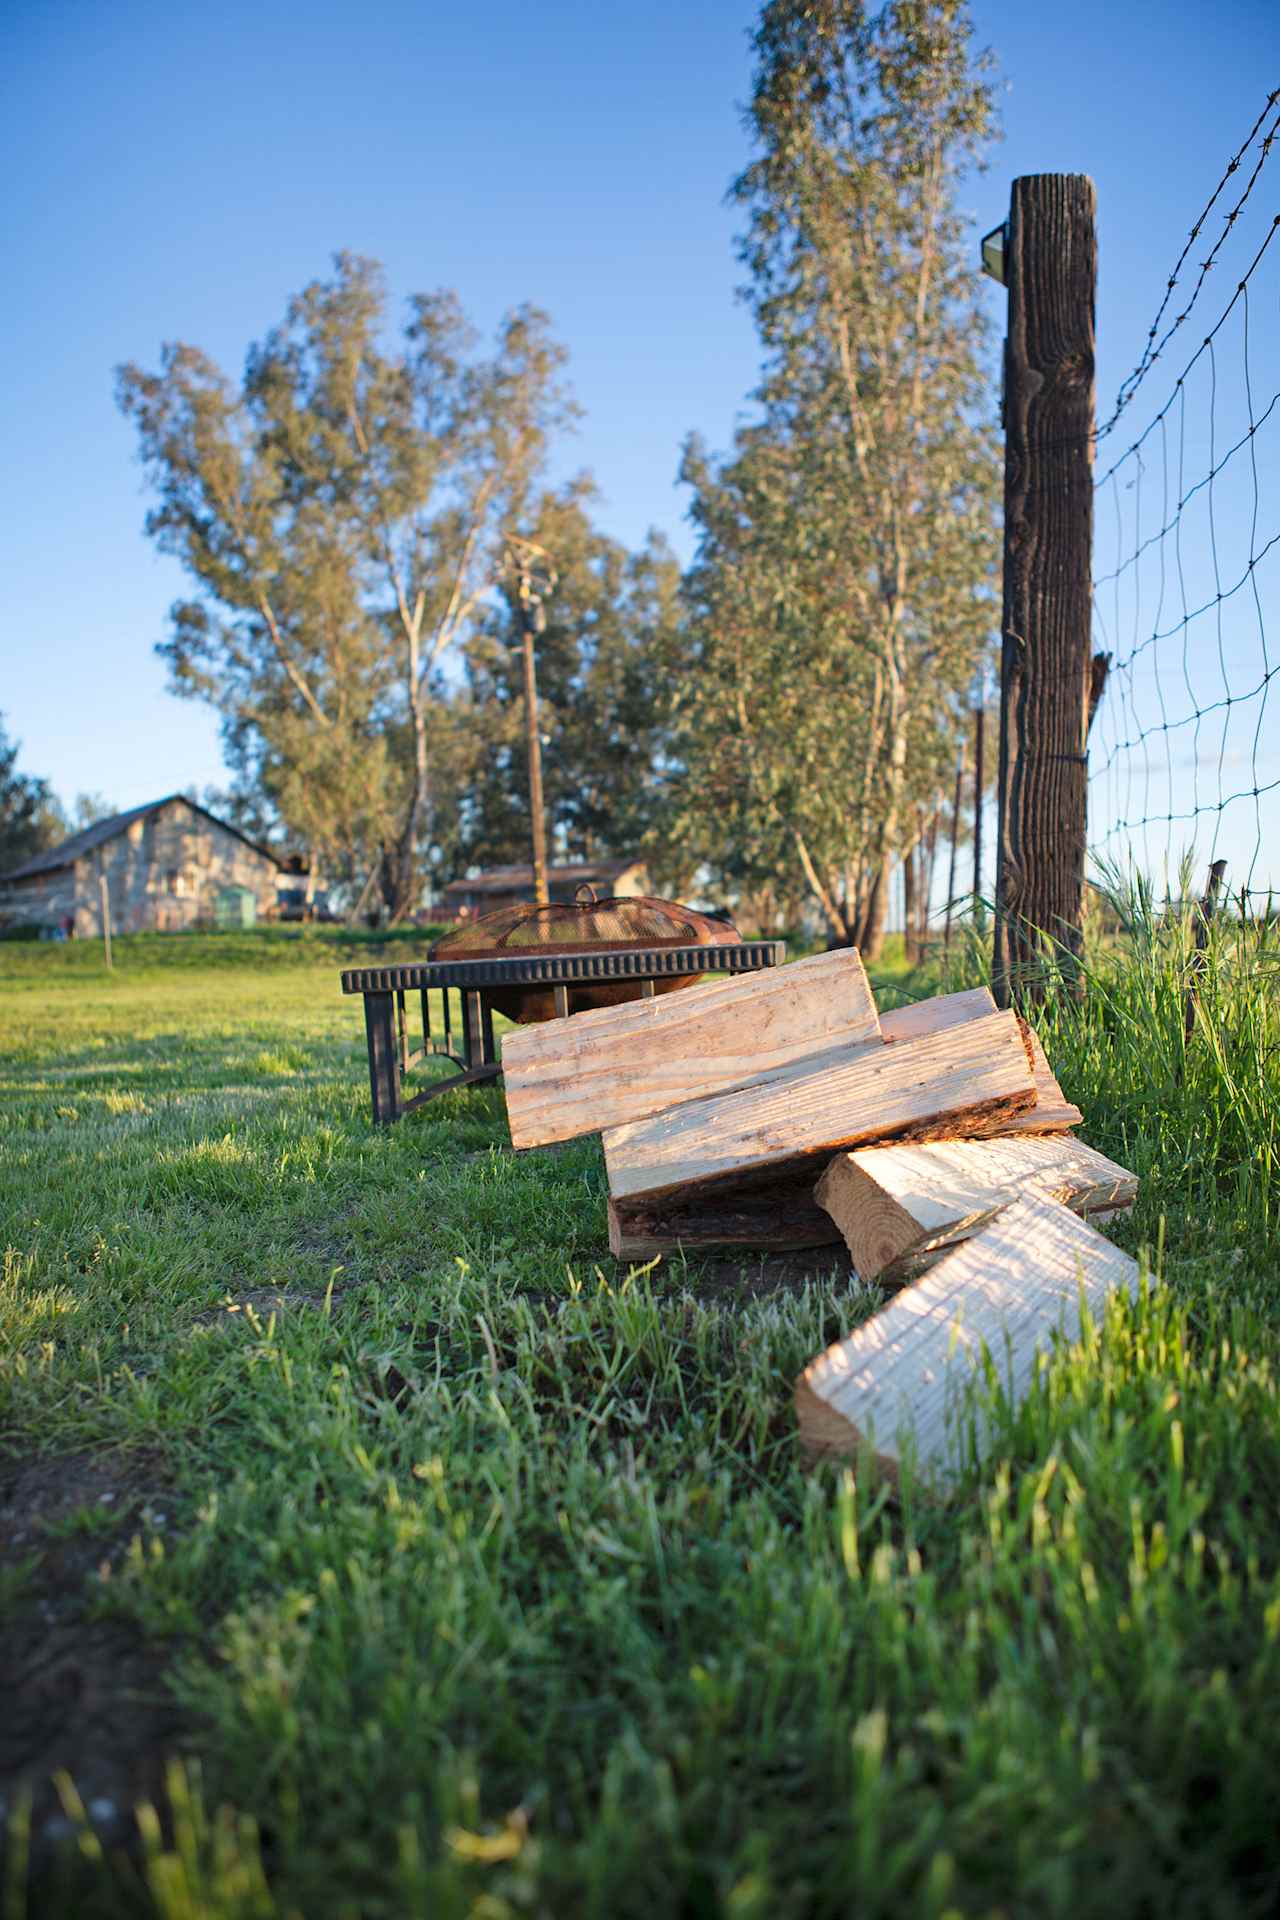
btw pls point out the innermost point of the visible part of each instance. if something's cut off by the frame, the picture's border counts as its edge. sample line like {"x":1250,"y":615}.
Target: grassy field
{"x":471,"y":1575}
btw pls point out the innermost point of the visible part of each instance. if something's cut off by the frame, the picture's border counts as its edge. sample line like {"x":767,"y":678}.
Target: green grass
{"x":493,"y":1582}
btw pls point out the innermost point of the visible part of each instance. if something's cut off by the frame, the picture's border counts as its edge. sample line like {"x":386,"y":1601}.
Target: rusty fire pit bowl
{"x":585,"y":925}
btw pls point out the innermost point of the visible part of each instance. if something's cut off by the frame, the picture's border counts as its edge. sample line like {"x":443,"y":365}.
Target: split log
{"x":778,"y":1217}
{"x":901,"y":1204}
{"x":1052,"y":1112}
{"x":921,"y":1017}
{"x":897,"y":1386}
{"x":944,"y":1085}
{"x":619,"y":1064}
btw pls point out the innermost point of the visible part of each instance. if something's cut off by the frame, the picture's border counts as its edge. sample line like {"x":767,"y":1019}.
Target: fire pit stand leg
{"x":472,"y":1031}
{"x":384,"y":1064}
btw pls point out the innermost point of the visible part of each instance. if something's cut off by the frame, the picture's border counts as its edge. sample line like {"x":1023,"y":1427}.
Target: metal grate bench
{"x":471,"y":1048}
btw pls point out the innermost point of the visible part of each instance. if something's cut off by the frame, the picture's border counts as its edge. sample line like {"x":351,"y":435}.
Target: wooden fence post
{"x":1050,"y":269}
{"x":1203,"y":918}
{"x":104,"y":905}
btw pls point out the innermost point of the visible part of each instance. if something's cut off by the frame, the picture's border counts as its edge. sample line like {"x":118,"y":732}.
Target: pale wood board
{"x":945,"y":1010}
{"x":618,"y":1064}
{"x":899,"y":1382}
{"x":942,"y":1085}
{"x":1052,"y":1112}
{"x":916,"y":1200}
{"x":770,"y":1218}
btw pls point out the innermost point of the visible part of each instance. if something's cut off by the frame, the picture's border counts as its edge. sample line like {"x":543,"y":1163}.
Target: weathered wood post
{"x":955,"y":835}
{"x":1205,"y":911}
{"x":1050,"y":258}
{"x":104,"y":903}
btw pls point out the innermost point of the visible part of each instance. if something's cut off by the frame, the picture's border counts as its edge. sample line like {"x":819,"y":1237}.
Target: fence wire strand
{"x":1185,"y":750}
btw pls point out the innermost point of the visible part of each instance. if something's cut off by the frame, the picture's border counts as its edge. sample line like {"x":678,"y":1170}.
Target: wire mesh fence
{"x":1185,"y":749}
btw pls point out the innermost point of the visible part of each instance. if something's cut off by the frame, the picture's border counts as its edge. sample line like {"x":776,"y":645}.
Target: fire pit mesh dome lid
{"x":613,"y":924}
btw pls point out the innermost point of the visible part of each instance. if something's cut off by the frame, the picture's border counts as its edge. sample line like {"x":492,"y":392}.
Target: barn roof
{"x":69,"y":851}
{"x":507,"y":879}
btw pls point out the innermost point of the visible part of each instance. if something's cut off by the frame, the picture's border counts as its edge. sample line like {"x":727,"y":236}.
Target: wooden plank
{"x":613,"y":1065}
{"x":1052,"y":1112}
{"x":897,"y":1201}
{"x":773,"y":1218}
{"x":921,"y":1017}
{"x":897,"y":1384}
{"x":941,"y":1086}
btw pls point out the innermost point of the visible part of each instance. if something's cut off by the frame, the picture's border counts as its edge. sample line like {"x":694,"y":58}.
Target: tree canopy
{"x":840,"y":601}
{"x":339,"y":511}
{"x":31,"y":820}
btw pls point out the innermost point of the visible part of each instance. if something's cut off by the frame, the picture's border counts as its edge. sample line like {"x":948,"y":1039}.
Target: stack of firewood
{"x":783,"y":1110}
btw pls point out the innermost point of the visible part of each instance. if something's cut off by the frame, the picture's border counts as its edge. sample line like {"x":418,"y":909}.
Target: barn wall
{"x":46,"y":900}
{"x":163,"y":873}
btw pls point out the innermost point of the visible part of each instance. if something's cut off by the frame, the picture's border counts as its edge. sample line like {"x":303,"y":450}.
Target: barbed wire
{"x":1150,"y":353}
{"x":1186,"y":577}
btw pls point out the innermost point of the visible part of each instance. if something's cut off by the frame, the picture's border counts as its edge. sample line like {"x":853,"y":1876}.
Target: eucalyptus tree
{"x":857,"y":518}
{"x":31,"y":819}
{"x":339,"y":510}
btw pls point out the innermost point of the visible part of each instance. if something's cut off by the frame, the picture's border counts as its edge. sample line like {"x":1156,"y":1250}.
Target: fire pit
{"x":535,"y":963}
{"x":587,"y":925}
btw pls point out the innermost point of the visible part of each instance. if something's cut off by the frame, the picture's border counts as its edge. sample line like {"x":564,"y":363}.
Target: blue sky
{"x":178,"y":172}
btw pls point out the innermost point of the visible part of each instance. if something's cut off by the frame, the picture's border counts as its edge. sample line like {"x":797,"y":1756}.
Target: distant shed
{"x":164,"y":863}
{"x":509,"y":886}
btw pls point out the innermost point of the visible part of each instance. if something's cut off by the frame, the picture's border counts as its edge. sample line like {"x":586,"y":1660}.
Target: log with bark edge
{"x":943,"y":1085}
{"x":618,"y":1064}
{"x":897,"y":1386}
{"x":907,"y":1204}
{"x":773,"y":1217}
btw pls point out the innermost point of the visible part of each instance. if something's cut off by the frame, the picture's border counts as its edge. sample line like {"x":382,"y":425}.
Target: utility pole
{"x":955,"y":835}
{"x":979,"y":783}
{"x":535,"y":579}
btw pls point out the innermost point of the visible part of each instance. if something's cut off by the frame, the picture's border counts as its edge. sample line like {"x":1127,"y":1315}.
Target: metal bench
{"x":471,"y":1048}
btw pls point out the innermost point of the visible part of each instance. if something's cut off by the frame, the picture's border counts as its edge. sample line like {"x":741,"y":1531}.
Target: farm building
{"x":508,"y":886}
{"x":165,"y":865}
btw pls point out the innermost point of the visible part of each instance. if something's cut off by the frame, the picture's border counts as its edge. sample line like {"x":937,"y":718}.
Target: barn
{"x":164,"y":865}
{"x":508,"y":886}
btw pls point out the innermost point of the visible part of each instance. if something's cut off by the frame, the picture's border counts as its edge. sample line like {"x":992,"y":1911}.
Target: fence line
{"x":1186,"y":523}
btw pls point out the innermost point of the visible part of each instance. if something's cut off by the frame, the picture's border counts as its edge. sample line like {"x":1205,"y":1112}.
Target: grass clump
{"x":489,"y":1580}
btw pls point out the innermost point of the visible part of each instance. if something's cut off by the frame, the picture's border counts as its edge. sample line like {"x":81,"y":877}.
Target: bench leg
{"x":384,"y":1065}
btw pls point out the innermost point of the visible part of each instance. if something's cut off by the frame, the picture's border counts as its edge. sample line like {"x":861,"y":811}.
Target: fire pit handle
{"x":585,"y":895}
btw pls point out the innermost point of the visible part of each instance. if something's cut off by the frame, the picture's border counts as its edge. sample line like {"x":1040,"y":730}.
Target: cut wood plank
{"x":922,"y":1017}
{"x":1052,"y":1112}
{"x":916,"y":1201}
{"x":898,"y":1384}
{"x":773,"y":1218}
{"x":944,"y":1084}
{"x":618,"y":1064}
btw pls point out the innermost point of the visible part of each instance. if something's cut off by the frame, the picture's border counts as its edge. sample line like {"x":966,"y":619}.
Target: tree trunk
{"x":834,"y":917}
{"x":870,"y":934}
